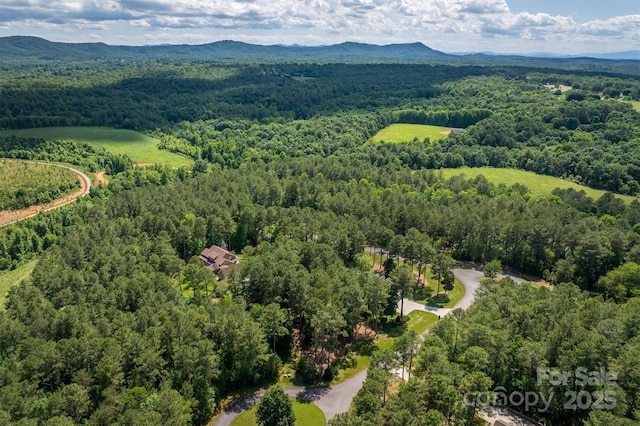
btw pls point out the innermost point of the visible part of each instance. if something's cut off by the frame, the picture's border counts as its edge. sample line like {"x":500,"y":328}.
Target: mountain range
{"x":35,"y":48}
{"x":24,"y":47}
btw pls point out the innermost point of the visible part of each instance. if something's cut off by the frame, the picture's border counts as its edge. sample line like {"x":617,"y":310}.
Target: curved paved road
{"x":15,"y":216}
{"x":470,"y":279}
{"x":337,"y":399}
{"x":332,"y":400}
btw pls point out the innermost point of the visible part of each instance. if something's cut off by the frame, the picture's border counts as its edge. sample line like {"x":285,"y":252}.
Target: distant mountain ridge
{"x":633,"y":55}
{"x":36,"y":48}
{"x":27,"y":47}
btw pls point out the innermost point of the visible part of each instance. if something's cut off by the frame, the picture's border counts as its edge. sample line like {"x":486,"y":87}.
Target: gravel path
{"x":8,"y":217}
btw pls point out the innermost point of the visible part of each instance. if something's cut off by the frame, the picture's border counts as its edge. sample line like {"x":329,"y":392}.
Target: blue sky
{"x":513,"y":26}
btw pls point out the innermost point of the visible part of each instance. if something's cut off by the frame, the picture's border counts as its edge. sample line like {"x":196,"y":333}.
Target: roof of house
{"x":219,"y":260}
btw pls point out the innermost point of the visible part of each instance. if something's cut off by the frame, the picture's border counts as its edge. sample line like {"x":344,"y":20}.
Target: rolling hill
{"x":23,"y":47}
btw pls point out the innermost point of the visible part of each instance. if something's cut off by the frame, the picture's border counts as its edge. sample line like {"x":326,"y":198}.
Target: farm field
{"x":10,"y":278}
{"x":140,"y":148}
{"x":24,"y":183}
{"x":539,"y":185}
{"x":398,"y":133}
{"x":306,"y":415}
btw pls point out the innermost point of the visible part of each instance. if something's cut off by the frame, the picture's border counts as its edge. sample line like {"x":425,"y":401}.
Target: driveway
{"x":470,"y":279}
{"x":331,"y":400}
{"x":410,"y":306}
{"x":337,"y":399}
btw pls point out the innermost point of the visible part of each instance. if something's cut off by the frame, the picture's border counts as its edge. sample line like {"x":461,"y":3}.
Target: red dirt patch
{"x":101,"y":179}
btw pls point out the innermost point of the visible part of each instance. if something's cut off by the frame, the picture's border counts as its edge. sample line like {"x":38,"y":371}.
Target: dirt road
{"x":7,"y":217}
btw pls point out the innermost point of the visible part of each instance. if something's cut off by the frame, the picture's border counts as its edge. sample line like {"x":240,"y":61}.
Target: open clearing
{"x":398,"y":133}
{"x":27,"y":183}
{"x":10,"y":278}
{"x":539,"y":185}
{"x":10,"y":216}
{"x":140,"y":148}
{"x":636,"y":105}
{"x":306,"y":414}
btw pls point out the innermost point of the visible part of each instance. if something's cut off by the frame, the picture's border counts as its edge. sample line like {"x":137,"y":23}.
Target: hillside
{"x":20,"y":48}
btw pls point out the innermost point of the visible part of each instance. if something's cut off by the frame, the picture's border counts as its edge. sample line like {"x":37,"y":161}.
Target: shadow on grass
{"x":421,"y":294}
{"x":364,"y":347}
{"x":438,"y":301}
{"x":395,"y":328}
{"x":300,"y":382}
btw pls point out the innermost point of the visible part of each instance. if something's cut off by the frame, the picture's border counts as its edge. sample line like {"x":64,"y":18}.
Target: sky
{"x":502,"y":26}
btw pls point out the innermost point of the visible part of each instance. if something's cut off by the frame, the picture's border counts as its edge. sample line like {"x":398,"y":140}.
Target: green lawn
{"x":397,"y":133}
{"x":636,"y":105}
{"x":539,"y":185}
{"x":360,"y":363}
{"x":10,"y":278}
{"x":306,"y":414}
{"x":140,"y":148}
{"x":426,"y":294}
{"x":418,"y":321}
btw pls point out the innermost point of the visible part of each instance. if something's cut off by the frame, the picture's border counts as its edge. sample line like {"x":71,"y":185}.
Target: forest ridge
{"x":29,"y":48}
{"x":120,"y":323}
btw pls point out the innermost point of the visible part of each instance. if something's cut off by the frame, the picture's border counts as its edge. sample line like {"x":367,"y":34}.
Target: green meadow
{"x":398,"y":133}
{"x":140,"y":148}
{"x":539,"y":185}
{"x":306,"y":414}
{"x":636,"y":105}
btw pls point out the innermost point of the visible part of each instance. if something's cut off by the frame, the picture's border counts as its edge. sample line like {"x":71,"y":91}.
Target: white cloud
{"x":473,"y":20}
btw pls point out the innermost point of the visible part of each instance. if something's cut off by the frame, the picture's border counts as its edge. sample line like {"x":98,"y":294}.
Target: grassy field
{"x":418,"y":321}
{"x":306,"y":414}
{"x":138,"y":147}
{"x":23,"y":184}
{"x":539,"y":185}
{"x":636,"y":105}
{"x":10,"y":278}
{"x":397,"y":133}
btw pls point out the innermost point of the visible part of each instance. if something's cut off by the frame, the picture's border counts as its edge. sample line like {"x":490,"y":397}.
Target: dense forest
{"x":498,"y":344}
{"x":121,"y":324}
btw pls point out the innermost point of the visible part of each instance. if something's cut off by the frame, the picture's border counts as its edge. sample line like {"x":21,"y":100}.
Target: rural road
{"x":337,"y":399}
{"x":8,"y":217}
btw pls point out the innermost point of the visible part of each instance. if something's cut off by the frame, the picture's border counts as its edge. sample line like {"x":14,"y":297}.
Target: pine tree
{"x":275,"y":409}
